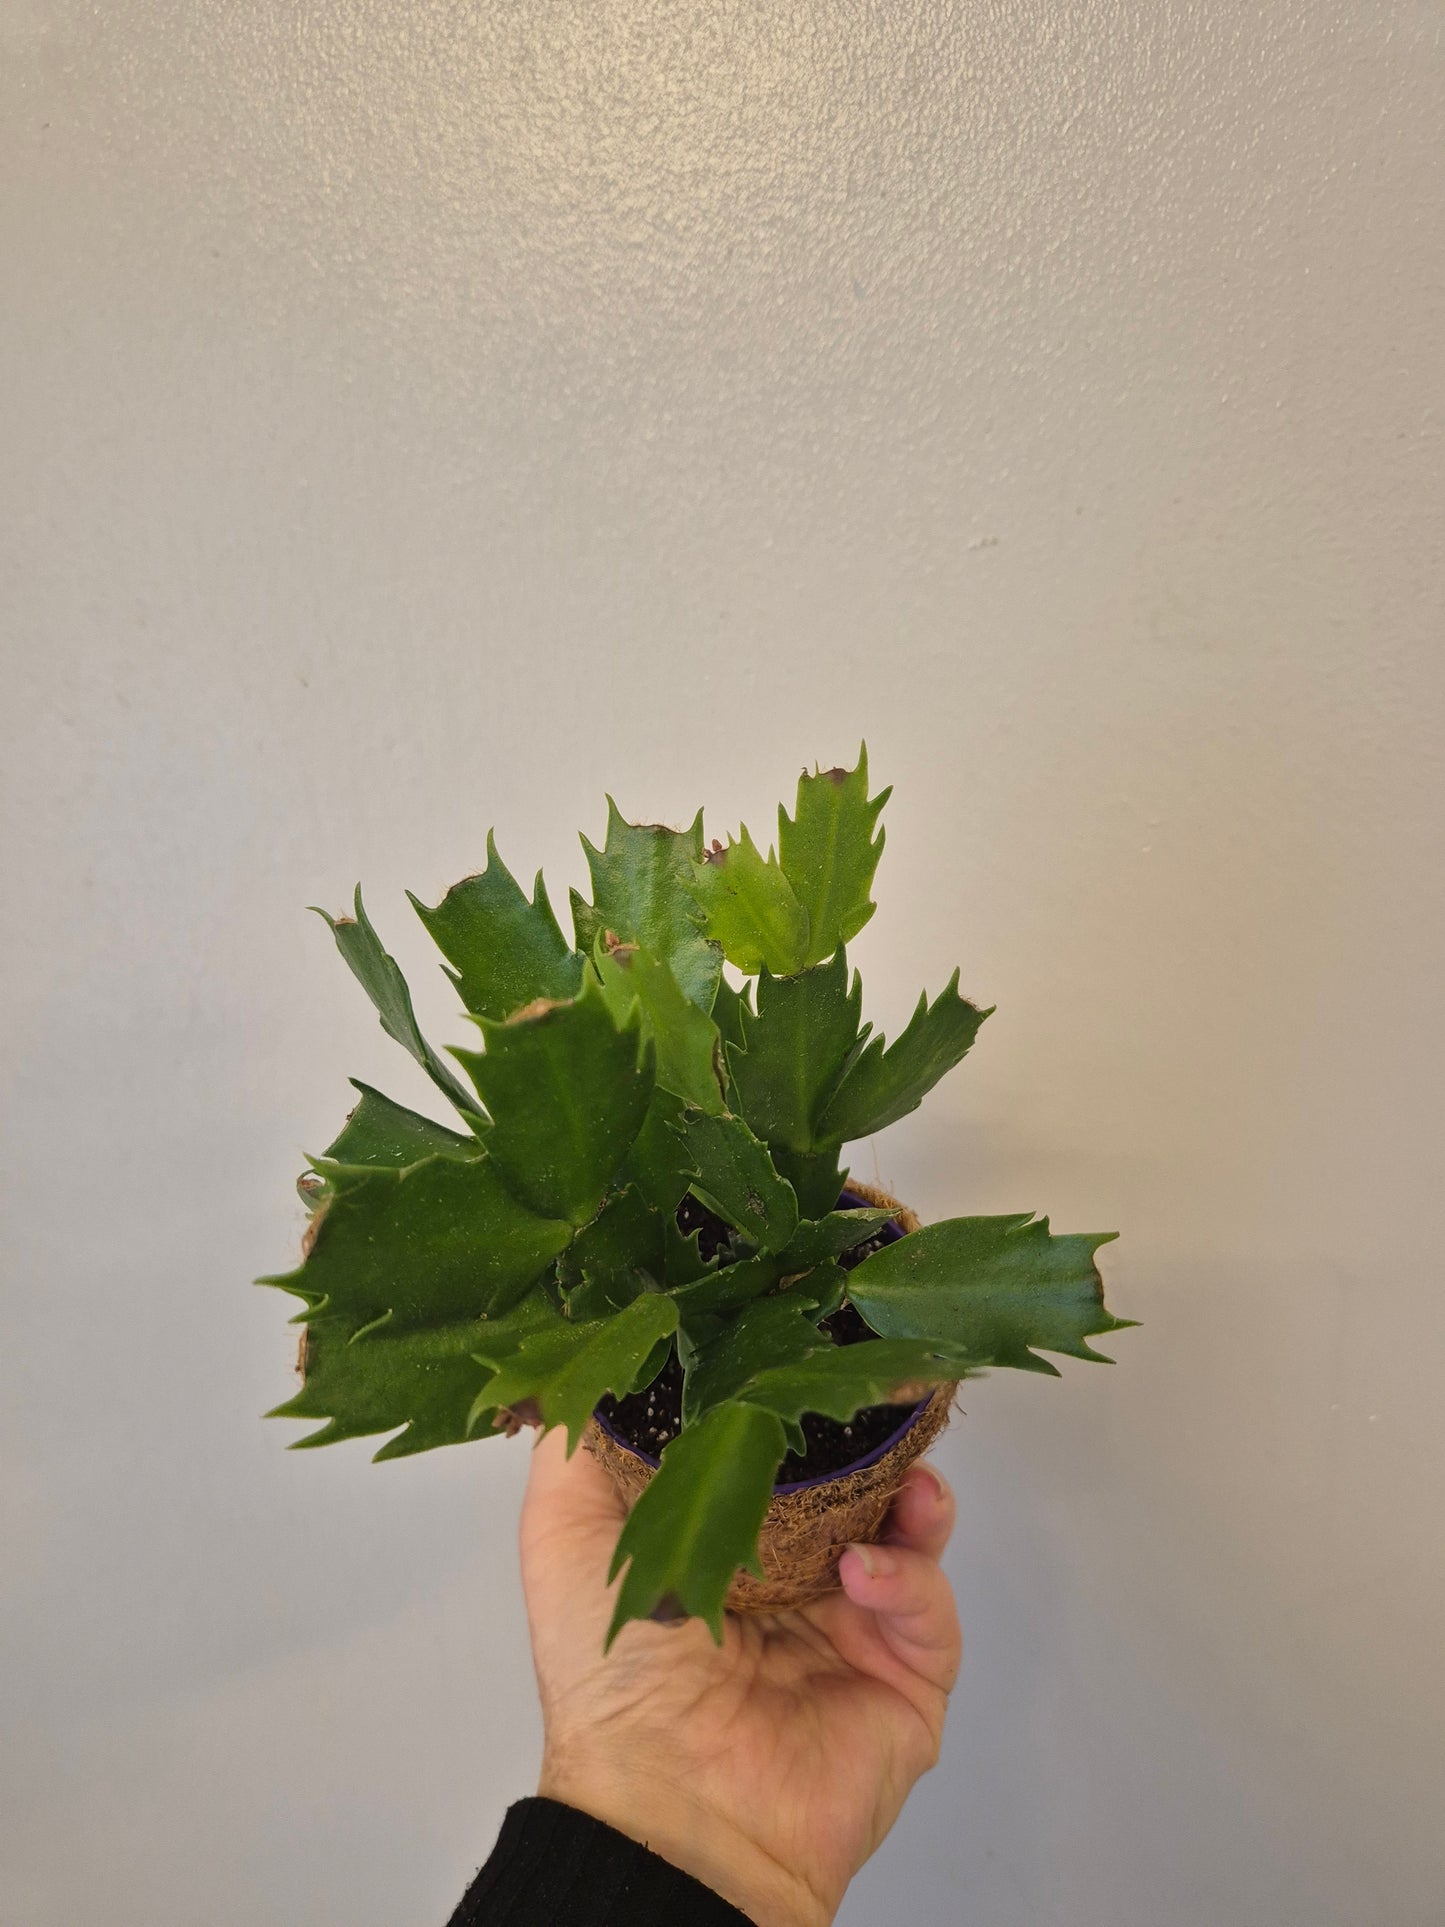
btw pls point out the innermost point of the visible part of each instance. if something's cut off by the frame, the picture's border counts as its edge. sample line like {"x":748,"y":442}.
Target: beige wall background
{"x":426,"y":416}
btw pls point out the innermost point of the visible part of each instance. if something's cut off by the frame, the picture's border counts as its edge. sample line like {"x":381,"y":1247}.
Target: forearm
{"x":661,"y":1813}
{"x":553,"y":1864}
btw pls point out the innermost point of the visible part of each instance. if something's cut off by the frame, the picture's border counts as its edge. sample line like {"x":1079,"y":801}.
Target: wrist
{"x":666,"y":1819}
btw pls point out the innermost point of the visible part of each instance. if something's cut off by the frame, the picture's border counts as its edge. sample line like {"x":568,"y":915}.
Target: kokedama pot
{"x":810,"y":1521}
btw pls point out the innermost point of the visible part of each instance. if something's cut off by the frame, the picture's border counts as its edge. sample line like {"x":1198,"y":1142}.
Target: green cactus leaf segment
{"x":829,"y":853}
{"x":727,"y":1288}
{"x":841,"y":1381}
{"x":380,"y":977}
{"x":750,"y":907}
{"x":682,"y":1259}
{"x":611,"y":1256}
{"x":600,"y":1294}
{"x":382,"y":1133}
{"x":698,"y":1519}
{"x":642,"y":891}
{"x":425,"y":1381}
{"x":1001,"y":1289}
{"x":425,"y":1246}
{"x":816,"y":1177}
{"x":779,"y":1330}
{"x":826,"y":1283}
{"x":656,"y":1162}
{"x":505,"y":951}
{"x":689,"y":1049}
{"x":795,"y":1047}
{"x":884,"y":1082}
{"x":727,"y":1008}
{"x":816,"y":1240}
{"x":734,"y":1176}
{"x":568,"y":1089}
{"x":562,"y":1369}
{"x":653,"y":1364}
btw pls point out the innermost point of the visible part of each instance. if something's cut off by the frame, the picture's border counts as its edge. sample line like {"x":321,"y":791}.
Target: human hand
{"x":769,"y":1767}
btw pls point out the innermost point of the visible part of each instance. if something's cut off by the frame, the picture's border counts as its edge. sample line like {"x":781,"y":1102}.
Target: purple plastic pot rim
{"x":795,"y":1485}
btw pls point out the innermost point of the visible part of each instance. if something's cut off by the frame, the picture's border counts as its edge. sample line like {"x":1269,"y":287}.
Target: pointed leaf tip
{"x":884,"y":1082}
{"x":639,"y":987}
{"x":506,"y":950}
{"x":698,"y":1518}
{"x":567,"y":1091}
{"x":750,"y":907}
{"x":380,"y":976}
{"x":1004,"y":1289}
{"x":795,"y":1046}
{"x":562,"y":1370}
{"x":642,"y":892}
{"x":733,"y":1168}
{"x":829,"y":852}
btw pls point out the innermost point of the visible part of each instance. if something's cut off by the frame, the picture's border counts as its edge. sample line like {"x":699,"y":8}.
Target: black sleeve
{"x":555,"y":1867}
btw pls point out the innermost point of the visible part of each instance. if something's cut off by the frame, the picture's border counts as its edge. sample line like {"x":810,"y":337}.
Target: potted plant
{"x":639,"y":1227}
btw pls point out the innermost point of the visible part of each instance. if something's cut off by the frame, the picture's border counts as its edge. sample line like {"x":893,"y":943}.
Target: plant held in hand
{"x":640,"y":1229}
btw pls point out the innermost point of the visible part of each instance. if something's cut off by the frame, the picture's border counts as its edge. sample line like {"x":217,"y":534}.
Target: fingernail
{"x":877,"y":1562}
{"x":935,"y":1480}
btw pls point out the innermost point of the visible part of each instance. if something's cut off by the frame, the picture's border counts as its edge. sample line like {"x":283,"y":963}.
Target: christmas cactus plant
{"x":643,"y":1185}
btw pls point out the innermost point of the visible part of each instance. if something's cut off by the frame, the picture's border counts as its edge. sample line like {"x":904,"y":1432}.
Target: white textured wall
{"x":423,"y":415}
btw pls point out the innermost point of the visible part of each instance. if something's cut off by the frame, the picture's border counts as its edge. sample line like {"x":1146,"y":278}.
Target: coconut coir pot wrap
{"x":807,"y":1526}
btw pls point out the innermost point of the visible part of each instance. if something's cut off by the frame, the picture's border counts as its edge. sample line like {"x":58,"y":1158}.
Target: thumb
{"x":571,"y":1516}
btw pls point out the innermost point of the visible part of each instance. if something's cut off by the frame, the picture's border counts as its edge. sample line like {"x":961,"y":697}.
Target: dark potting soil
{"x":650,"y":1419}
